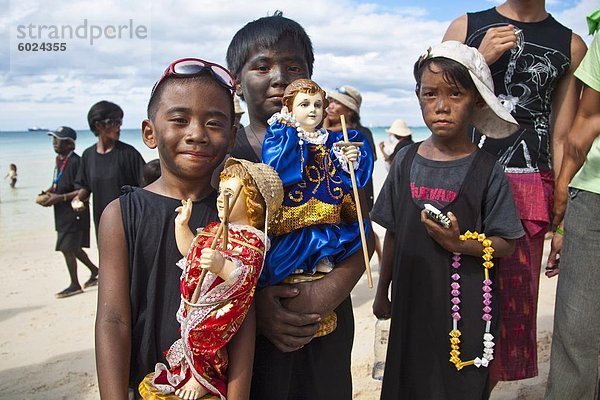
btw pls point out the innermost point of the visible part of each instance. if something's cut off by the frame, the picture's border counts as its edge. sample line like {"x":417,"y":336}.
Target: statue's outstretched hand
{"x":184,"y":212}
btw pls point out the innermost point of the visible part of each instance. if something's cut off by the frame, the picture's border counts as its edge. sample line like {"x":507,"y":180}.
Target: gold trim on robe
{"x":313,"y":212}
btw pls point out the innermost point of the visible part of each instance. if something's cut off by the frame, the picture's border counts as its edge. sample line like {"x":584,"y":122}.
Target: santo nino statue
{"x":316,"y":226}
{"x":228,"y":276}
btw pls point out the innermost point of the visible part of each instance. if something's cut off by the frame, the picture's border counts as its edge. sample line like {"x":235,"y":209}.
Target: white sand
{"x":47,"y":345}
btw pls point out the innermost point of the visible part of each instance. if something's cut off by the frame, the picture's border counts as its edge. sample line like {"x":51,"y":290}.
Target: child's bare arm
{"x":113,"y":318}
{"x":382,"y":307}
{"x":183,"y":234}
{"x":448,"y":239}
{"x":241,"y":358}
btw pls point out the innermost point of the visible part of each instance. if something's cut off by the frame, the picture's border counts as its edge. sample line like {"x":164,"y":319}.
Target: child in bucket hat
{"x":450,"y":337}
{"x":493,"y":120}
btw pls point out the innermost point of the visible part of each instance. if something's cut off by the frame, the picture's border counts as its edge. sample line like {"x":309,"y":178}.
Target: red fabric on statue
{"x":207,"y":327}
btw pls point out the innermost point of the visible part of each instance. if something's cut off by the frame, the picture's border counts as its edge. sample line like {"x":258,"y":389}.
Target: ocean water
{"x":34,"y":156}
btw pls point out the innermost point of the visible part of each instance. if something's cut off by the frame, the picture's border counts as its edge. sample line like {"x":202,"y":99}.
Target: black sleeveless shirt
{"x":417,"y":362}
{"x":524,"y":80}
{"x":149,"y":223}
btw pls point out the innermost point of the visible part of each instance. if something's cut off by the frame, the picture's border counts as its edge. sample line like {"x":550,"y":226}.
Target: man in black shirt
{"x":73,"y":228}
{"x":109,"y":164}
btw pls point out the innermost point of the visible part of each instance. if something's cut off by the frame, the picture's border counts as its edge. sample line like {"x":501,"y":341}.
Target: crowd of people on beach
{"x":512,"y":101}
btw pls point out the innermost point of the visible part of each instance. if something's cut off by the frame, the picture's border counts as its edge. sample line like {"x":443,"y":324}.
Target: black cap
{"x":64,"y":132}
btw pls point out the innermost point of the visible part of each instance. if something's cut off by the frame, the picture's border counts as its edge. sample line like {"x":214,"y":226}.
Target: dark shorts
{"x":72,"y":241}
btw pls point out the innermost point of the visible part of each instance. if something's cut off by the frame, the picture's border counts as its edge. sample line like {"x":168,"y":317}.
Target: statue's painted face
{"x":228,"y":187}
{"x":308,"y":110}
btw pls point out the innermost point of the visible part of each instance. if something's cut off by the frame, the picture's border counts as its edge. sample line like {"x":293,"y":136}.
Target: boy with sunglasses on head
{"x":265,"y":56}
{"x":190,"y":122}
{"x":107,"y":165}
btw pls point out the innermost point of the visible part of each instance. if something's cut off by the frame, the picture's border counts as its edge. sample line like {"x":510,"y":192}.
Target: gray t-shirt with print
{"x":438,"y":183}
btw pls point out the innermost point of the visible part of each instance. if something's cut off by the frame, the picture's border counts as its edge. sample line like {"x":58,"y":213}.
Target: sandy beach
{"x":47,"y":345}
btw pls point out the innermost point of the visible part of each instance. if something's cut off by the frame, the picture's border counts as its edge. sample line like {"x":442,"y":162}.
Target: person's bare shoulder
{"x":111,"y":232}
{"x":457,"y":30}
{"x":578,"y":50}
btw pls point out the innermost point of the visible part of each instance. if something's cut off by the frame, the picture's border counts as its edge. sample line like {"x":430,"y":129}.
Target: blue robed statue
{"x":317,"y":225}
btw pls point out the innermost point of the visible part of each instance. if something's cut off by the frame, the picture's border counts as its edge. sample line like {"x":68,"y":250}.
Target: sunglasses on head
{"x":112,"y":122}
{"x":189,"y":67}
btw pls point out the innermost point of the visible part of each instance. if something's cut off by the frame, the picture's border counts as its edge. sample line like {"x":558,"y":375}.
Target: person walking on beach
{"x":532,"y":58}
{"x":73,"y":228}
{"x":265,"y":56}
{"x":11,"y":175}
{"x":400,"y":136}
{"x":190,"y":122}
{"x":442,"y":330}
{"x":109,"y":164}
{"x":576,"y":334}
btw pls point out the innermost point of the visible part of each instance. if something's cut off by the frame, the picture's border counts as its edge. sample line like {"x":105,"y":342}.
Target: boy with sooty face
{"x":265,"y":56}
{"x":190,"y":122}
{"x":440,"y":346}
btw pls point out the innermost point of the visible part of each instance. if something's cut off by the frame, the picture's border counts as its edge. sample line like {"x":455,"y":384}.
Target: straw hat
{"x":348,"y":96}
{"x":399,"y":129}
{"x":237,"y":109}
{"x":493,"y":120}
{"x":267,"y":180}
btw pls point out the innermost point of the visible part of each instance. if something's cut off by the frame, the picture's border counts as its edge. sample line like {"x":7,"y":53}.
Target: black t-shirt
{"x":65,"y":219}
{"x":105,"y":174}
{"x":149,"y":224}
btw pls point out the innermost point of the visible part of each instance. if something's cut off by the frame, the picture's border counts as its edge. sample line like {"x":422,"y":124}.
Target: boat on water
{"x":37,"y":129}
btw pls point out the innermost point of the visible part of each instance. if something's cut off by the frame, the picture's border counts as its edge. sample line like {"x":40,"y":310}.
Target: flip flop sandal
{"x":93,"y":281}
{"x":68,"y":293}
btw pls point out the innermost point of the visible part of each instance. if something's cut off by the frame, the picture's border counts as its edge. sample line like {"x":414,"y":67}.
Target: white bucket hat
{"x":267,"y":181}
{"x":493,"y":120}
{"x":348,"y":96}
{"x":399,"y":129}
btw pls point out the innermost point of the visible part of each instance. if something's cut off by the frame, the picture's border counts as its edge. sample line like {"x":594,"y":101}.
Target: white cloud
{"x":574,"y":17}
{"x":365,"y":45}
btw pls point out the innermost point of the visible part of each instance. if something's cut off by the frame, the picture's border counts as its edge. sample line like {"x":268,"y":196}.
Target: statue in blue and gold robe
{"x":317,"y":226}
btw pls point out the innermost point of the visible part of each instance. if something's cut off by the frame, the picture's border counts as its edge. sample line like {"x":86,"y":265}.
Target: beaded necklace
{"x":488,"y":344}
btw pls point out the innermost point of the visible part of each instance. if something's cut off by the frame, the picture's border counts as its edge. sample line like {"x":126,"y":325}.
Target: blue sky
{"x":368,"y":44}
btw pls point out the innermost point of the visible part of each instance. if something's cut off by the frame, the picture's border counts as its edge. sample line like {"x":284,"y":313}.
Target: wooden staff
{"x":225,"y":221}
{"x":227,"y":207}
{"x":363,"y":237}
